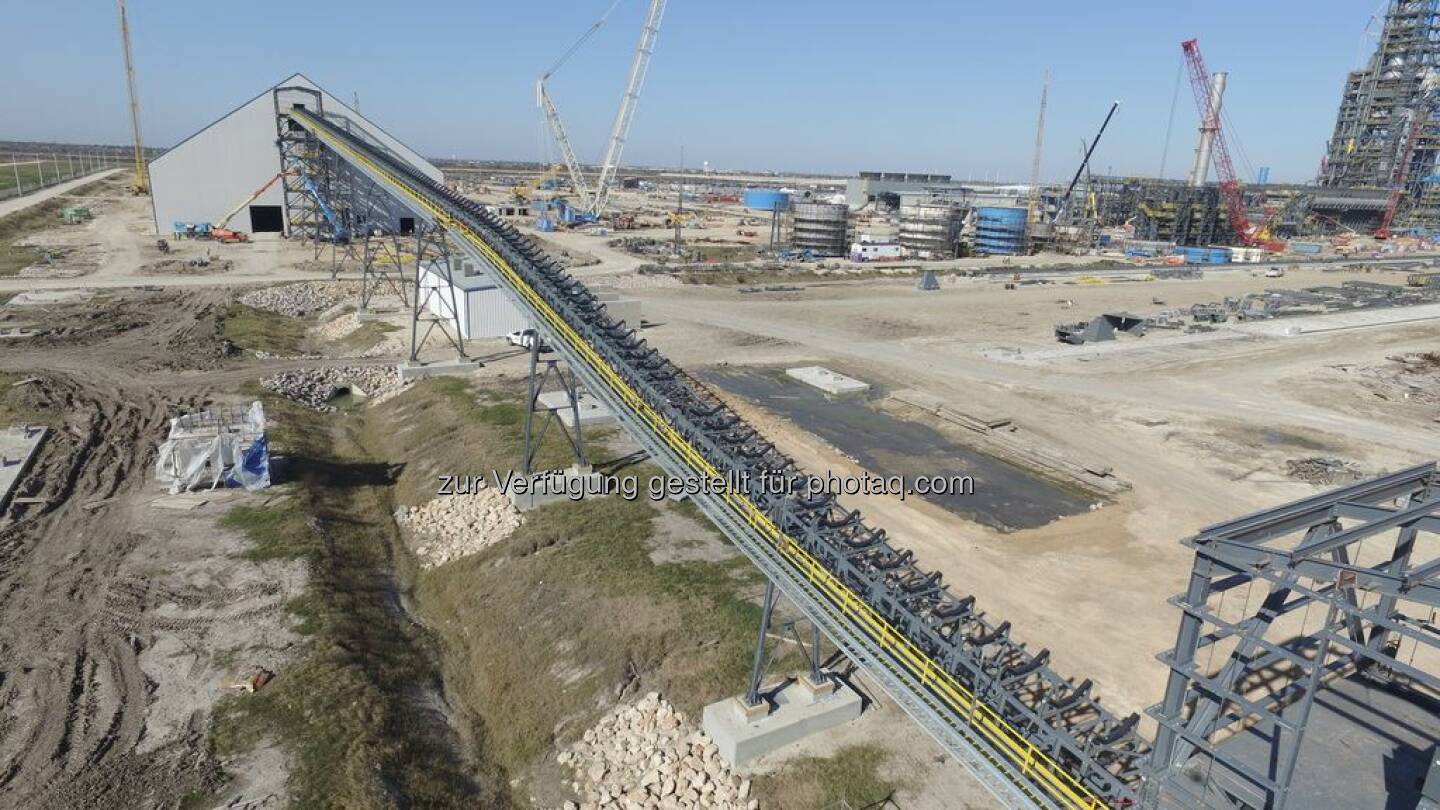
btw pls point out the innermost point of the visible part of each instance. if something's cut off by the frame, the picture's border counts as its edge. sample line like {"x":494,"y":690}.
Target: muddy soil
{"x":116,"y":614}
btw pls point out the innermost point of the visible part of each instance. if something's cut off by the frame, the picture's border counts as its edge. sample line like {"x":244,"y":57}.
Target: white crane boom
{"x":627,"y":106}
{"x":557,"y":129}
{"x":1034,"y":201}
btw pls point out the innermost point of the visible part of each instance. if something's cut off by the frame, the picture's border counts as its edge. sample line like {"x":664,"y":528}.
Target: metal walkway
{"x":1033,"y":737}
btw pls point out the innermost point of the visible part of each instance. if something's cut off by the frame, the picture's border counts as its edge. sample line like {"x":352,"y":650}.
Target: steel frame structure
{"x":535,"y":386}
{"x":432,"y":255}
{"x":1309,"y":556}
{"x":1032,"y":736}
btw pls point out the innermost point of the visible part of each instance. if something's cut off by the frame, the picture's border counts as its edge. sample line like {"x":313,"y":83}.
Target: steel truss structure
{"x":1349,"y":585}
{"x":1034,"y":737}
{"x":383,"y":263}
{"x":434,"y":304}
{"x":574,"y":433}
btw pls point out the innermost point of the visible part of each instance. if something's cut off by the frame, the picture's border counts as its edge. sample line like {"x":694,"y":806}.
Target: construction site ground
{"x":129,"y":613}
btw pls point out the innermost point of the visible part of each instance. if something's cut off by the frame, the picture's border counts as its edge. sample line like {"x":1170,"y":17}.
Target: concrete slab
{"x":554,"y":486}
{"x":1339,"y":321}
{"x":620,"y":307}
{"x":18,"y":448}
{"x":40,"y":298}
{"x":832,"y":383}
{"x":797,"y":712}
{"x":416,"y":371}
{"x":592,"y":410}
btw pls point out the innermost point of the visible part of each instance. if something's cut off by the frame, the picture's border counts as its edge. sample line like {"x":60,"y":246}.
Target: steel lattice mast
{"x":1210,"y":120}
{"x":142,"y":181}
{"x":621,"y":129}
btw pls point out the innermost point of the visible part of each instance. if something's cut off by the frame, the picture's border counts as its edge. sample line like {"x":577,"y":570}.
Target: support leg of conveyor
{"x":757,"y":669}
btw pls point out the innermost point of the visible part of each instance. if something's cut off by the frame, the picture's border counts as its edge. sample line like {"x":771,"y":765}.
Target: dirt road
{"x":115,"y":613}
{"x":35,"y":198}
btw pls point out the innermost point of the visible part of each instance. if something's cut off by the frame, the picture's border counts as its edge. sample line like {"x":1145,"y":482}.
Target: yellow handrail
{"x":1034,"y":763}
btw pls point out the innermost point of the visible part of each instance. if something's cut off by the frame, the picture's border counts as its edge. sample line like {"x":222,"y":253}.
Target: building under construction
{"x":1384,"y":131}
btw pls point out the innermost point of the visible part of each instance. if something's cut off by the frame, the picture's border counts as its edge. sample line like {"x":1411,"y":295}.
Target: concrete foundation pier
{"x":787,"y":714}
{"x":554,"y":486}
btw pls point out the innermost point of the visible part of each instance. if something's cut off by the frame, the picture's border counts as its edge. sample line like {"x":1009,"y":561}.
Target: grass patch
{"x":16,"y":226}
{"x":273,"y":531}
{"x":352,"y":708}
{"x":573,"y":598}
{"x":578,"y":605}
{"x":852,"y":775}
{"x":369,"y":335}
{"x":259,"y":330}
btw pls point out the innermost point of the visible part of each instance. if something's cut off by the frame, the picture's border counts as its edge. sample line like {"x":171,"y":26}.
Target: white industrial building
{"x":483,"y":309}
{"x":208,"y":174}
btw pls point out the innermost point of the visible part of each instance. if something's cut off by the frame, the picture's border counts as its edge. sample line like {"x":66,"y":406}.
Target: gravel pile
{"x":315,"y":387}
{"x":453,"y":526}
{"x":300,"y":299}
{"x":648,"y":755}
{"x":338,"y":328}
{"x":653,"y":281}
{"x":1322,"y":471}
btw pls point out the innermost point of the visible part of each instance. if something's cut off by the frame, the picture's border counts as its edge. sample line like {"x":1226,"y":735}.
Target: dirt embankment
{"x":126,"y":623}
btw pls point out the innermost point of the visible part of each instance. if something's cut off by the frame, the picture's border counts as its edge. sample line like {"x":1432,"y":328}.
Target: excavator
{"x":524,"y":191}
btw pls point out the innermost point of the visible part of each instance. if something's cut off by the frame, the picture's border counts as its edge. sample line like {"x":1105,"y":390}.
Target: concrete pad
{"x":592,"y":410}
{"x":798,"y":713}
{"x":40,"y":298}
{"x":619,"y":307}
{"x":18,"y":448}
{"x":1339,"y":321}
{"x":416,"y":371}
{"x":832,"y":383}
{"x":554,"y":486}
{"x":374,"y":313}
{"x":181,"y":501}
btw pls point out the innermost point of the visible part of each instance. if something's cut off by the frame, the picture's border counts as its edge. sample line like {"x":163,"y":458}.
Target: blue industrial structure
{"x":1000,"y":230}
{"x":766,"y":199}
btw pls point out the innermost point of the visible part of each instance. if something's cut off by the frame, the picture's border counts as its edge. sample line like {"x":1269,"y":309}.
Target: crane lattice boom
{"x":621,"y":129}
{"x":1224,"y":168}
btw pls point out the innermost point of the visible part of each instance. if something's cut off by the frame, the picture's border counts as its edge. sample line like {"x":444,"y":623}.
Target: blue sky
{"x":835,"y":86}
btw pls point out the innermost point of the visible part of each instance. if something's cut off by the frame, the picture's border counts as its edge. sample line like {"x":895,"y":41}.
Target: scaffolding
{"x":1378,"y":101}
{"x":1340,"y":585}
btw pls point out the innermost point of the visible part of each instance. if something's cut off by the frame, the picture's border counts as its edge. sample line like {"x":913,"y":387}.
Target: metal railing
{"x":1032,"y":737}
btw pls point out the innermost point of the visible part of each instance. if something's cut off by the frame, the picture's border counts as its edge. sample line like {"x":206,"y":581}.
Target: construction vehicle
{"x":227,"y":236}
{"x":524,"y":191}
{"x":594,"y":202}
{"x":1230,"y":192}
{"x":1063,"y":207}
{"x":680,"y":219}
{"x":221,"y":231}
{"x":141,"y":183}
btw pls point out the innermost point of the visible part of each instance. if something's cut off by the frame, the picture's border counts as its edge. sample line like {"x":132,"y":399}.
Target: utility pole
{"x":142,"y":179}
{"x":680,"y":201}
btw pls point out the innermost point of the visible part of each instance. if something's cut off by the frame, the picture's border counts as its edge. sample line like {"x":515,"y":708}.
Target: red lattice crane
{"x":1224,"y":168}
{"x":1419,"y":114}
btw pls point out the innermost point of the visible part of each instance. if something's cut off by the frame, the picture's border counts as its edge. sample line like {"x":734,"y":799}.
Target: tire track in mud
{"x":73,"y":695}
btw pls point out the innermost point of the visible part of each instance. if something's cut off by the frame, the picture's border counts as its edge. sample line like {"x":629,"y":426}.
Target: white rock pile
{"x":300,"y":299}
{"x":315,"y":387}
{"x":337,"y":328}
{"x":647,"y":755}
{"x":449,"y":527}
